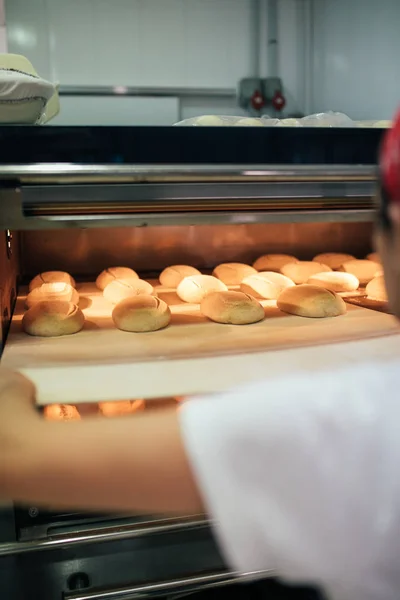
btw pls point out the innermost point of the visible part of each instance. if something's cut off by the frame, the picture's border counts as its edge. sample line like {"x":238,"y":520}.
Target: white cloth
{"x":302,"y":475}
{"x":23,"y":97}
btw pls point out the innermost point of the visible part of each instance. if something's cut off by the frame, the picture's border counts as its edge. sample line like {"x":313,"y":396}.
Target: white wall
{"x":178,"y":43}
{"x":292,"y":30}
{"x":353,"y":47}
{"x":356,"y":57}
{"x":3,"y":33}
{"x":144,"y":42}
{"x":181,"y":43}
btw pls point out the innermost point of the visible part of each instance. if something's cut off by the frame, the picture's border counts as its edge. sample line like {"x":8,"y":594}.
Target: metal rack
{"x":51,"y":195}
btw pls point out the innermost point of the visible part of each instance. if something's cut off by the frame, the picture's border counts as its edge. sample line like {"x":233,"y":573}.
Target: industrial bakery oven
{"x":84,"y":199}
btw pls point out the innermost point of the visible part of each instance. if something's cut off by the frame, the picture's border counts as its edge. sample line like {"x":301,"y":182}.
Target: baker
{"x":300,"y":475}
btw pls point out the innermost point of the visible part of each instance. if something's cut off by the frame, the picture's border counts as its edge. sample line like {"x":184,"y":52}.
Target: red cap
{"x":390,"y":161}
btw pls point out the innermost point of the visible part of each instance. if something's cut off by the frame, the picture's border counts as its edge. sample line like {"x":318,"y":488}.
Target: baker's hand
{"x":18,"y":420}
{"x":17,"y":400}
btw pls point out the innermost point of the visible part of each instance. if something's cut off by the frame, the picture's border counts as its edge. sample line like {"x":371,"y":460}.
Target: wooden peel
{"x":192,"y":355}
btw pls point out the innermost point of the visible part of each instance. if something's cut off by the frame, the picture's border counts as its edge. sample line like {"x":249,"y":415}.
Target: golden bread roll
{"x":52,"y":319}
{"x":302,"y":270}
{"x":138,"y":405}
{"x":120,"y":408}
{"x":194,"y":288}
{"x":273,"y":262}
{"x":335,"y":281}
{"x":334,"y":260}
{"x":109,"y":275}
{"x":52,"y":291}
{"x":311,"y":301}
{"x":141,"y":313}
{"x":374,"y":256}
{"x":160,"y":403}
{"x":88,"y":410}
{"x":376,"y":289}
{"x":233,"y":273}
{"x":119,"y":289}
{"x":51,"y":277}
{"x":267,"y":285}
{"x":61,"y":412}
{"x":235,"y":308}
{"x":364,"y":270}
{"x":172,"y":276}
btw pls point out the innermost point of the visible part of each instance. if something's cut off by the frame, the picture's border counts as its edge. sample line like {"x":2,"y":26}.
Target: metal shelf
{"x":153,"y":91}
{"x":44,"y":196}
{"x":68,"y":173}
{"x":104,"y":534}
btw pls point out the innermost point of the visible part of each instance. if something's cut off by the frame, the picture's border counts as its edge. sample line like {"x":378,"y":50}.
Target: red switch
{"x":278,"y":101}
{"x":257,"y":100}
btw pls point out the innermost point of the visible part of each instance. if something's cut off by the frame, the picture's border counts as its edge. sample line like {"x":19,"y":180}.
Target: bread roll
{"x":194,"y":288}
{"x":311,"y":301}
{"x":335,"y":281}
{"x":233,"y":273}
{"x":160,"y":403}
{"x":119,"y":289}
{"x":267,"y":285}
{"x":374,"y":256}
{"x":120,"y":408}
{"x":273,"y":262}
{"x":137,"y":405}
{"x":141,"y":313}
{"x":52,"y":291}
{"x":364,"y":270}
{"x":51,"y":277}
{"x":334,"y":260}
{"x":235,"y":308}
{"x":383,"y":124}
{"x":109,"y":275}
{"x":172,"y":276}
{"x":88,"y":410}
{"x":61,"y":412}
{"x":302,"y":270}
{"x":209,"y":121}
{"x":52,"y":319}
{"x":290,"y":123}
{"x":249,"y":122}
{"x":376,"y":289}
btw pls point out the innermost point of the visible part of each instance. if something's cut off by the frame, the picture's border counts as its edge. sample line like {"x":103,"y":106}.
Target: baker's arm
{"x":299,"y":475}
{"x":135,"y":464}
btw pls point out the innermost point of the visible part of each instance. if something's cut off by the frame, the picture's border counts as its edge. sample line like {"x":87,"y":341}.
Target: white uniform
{"x":302,"y":475}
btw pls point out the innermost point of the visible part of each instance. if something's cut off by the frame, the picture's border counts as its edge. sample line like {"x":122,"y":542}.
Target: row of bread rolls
{"x":52,"y":303}
{"x":138,"y":309}
{"x":300,"y":270}
{"x":136,"y":305}
{"x":328,"y":119}
{"x":52,"y":306}
{"x":120,"y":282}
{"x":53,"y":309}
{"x":238,"y":308}
{"x":71,"y":412}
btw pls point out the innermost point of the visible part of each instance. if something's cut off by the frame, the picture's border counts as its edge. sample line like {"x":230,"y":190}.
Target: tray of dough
{"x":102,"y":363}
